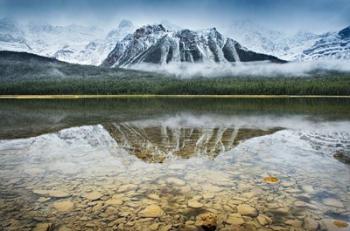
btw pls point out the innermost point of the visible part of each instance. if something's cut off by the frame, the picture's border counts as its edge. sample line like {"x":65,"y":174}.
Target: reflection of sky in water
{"x":91,"y":149}
{"x":302,"y":153}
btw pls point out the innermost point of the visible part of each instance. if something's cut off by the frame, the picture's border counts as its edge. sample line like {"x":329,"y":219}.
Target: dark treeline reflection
{"x":25,"y":118}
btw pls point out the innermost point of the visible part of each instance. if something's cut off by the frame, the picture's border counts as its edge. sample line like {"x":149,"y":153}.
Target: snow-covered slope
{"x":272,"y":42}
{"x":167,"y":42}
{"x":12,"y":37}
{"x":96,"y":51}
{"x":156,"y":44}
{"x":330,"y":46}
{"x":61,"y":42}
{"x":73,"y":43}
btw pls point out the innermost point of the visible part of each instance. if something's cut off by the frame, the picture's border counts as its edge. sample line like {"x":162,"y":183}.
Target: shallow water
{"x":166,"y":164}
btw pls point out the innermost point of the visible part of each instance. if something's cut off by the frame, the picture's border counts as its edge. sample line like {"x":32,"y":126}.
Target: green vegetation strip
{"x":163,"y":86}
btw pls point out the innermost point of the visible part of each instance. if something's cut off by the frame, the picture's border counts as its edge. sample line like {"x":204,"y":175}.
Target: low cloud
{"x":267,"y":69}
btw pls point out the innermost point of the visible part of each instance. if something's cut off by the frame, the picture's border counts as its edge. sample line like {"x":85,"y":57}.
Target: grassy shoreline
{"x":164,"y":96}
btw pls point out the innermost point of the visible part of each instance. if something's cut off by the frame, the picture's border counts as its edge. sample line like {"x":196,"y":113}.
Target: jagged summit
{"x":149,"y":29}
{"x":165,"y":42}
{"x":157,"y":44}
{"x":345,"y":33}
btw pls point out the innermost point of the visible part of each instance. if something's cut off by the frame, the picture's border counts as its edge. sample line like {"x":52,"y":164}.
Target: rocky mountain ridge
{"x":155,"y":44}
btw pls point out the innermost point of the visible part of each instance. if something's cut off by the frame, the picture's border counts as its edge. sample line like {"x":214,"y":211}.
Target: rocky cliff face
{"x":156,"y":45}
{"x":331,"y":46}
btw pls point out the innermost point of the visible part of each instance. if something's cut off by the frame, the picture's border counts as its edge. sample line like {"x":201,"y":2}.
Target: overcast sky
{"x":286,"y":15}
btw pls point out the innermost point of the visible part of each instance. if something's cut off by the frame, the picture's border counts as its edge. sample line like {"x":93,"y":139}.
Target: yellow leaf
{"x":271,"y":180}
{"x":340,"y":224}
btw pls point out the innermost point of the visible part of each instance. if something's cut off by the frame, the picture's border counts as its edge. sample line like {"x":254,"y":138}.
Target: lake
{"x":175,"y":164}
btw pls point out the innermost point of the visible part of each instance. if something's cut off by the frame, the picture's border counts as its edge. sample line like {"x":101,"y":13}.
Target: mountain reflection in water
{"x":156,"y":143}
{"x":174,"y":165}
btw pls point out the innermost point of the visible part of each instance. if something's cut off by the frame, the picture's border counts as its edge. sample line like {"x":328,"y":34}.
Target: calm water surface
{"x":175,"y":164}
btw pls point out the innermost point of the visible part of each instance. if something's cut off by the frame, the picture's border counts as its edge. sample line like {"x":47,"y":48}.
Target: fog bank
{"x":267,"y":69}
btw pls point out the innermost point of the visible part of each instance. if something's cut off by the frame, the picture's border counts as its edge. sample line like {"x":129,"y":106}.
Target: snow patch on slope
{"x":264,"y":40}
{"x":330,"y":46}
{"x":72,"y":43}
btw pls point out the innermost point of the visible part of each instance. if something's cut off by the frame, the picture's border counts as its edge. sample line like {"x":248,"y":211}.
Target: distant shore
{"x":164,"y":96}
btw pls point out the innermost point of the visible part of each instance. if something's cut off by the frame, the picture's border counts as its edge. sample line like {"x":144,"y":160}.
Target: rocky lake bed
{"x":184,"y":171}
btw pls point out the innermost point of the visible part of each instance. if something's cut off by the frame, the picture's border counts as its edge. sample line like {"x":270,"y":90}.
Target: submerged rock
{"x":310,"y":224}
{"x":153,"y":196}
{"x":211,"y":188}
{"x":333,"y":202}
{"x":188,"y":228}
{"x":92,"y":196}
{"x":44,"y":227}
{"x":43,"y":199}
{"x":152,"y":211}
{"x":114,"y":201}
{"x":127,"y":187}
{"x":342,"y":156}
{"x":208,"y":221}
{"x":294,"y":223}
{"x":264,"y":220}
{"x":281,"y":211}
{"x":194,"y":204}
{"x":64,"y":228}
{"x":336,"y":225}
{"x":308,"y":188}
{"x":154,"y":227}
{"x":64,"y":206}
{"x":52,"y":193}
{"x":41,"y":192}
{"x":247,"y":210}
{"x":235,"y":219}
{"x":208,"y":195}
{"x":175,"y":181}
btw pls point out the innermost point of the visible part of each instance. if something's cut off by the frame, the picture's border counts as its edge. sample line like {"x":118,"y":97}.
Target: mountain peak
{"x":170,"y":26}
{"x":149,"y":29}
{"x":330,"y":46}
{"x":345,"y":33}
{"x":154,"y":44}
{"x":125,"y":24}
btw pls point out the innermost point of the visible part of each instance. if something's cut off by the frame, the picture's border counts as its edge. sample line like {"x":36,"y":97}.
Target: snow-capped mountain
{"x":12,"y":37}
{"x":330,"y":46}
{"x":170,"y":26}
{"x":72,"y":43}
{"x":167,"y":42}
{"x":157,"y":45}
{"x":272,"y":42}
{"x":96,"y":51}
{"x":61,"y":42}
